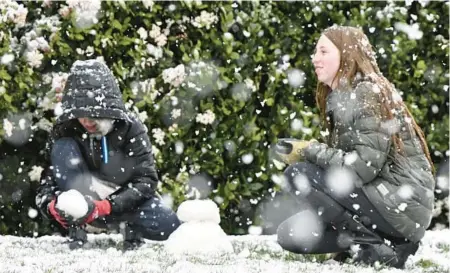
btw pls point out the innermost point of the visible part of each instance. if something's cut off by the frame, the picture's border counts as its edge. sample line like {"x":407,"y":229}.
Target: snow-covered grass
{"x":103,"y":253}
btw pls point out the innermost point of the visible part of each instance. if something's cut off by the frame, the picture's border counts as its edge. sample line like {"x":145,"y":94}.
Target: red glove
{"x":100,"y":208}
{"x":55,"y":213}
{"x":96,"y":209}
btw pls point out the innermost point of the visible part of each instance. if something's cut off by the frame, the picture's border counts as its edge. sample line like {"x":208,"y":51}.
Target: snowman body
{"x":200,"y":232}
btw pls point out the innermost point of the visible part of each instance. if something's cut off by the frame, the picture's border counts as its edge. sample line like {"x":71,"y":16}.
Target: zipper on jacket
{"x":104,"y":151}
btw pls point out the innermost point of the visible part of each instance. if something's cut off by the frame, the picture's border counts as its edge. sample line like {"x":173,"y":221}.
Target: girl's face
{"x":326,"y":61}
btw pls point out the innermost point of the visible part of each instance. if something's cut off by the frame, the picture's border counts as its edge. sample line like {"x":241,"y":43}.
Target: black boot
{"x":77,"y":237}
{"x":372,"y":246}
{"x":404,"y":251}
{"x":382,"y":253}
{"x":132,"y":238}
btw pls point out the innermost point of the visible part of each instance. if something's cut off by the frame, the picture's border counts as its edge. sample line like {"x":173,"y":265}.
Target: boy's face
{"x":89,"y":124}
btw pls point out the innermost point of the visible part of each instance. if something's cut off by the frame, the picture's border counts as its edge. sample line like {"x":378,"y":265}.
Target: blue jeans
{"x":151,"y":220}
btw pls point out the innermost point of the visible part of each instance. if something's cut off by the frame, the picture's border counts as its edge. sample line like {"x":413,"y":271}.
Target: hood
{"x":91,"y":91}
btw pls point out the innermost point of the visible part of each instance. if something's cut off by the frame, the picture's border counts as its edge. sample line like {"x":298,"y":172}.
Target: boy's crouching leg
{"x":153,"y":221}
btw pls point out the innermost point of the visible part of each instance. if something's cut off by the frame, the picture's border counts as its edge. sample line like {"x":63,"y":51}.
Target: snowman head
{"x":199,"y":211}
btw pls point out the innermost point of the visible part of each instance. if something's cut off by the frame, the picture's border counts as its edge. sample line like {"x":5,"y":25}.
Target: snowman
{"x":199,"y":233}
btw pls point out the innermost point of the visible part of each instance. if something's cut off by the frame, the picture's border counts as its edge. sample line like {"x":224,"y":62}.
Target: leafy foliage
{"x":228,"y":96}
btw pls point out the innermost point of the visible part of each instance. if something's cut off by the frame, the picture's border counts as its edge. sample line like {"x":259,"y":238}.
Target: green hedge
{"x":243,"y":78}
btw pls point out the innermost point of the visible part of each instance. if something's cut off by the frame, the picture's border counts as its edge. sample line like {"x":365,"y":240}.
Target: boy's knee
{"x":157,"y":221}
{"x":62,"y":146}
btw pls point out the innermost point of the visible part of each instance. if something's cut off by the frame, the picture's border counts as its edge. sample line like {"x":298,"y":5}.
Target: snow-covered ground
{"x":103,"y":253}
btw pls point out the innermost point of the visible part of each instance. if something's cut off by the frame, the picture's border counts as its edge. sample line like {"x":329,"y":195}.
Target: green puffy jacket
{"x":401,"y":185}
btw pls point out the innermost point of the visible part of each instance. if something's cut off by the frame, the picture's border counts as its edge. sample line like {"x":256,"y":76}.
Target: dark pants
{"x":328,"y":222}
{"x":151,"y":220}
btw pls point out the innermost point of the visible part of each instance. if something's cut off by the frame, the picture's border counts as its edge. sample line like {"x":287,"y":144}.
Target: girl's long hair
{"x":358,"y":57}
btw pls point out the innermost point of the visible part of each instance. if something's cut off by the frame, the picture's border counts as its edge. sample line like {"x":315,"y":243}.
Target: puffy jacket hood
{"x":91,"y":91}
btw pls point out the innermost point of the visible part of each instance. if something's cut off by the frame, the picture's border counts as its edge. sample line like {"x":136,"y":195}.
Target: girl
{"x":371,"y":182}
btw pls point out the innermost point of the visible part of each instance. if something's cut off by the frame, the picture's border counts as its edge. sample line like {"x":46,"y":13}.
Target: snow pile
{"x":73,"y":203}
{"x":200,"y":233}
{"x":255,"y":254}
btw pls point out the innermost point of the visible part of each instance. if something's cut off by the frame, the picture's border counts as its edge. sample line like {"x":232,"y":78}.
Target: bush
{"x":216,"y":83}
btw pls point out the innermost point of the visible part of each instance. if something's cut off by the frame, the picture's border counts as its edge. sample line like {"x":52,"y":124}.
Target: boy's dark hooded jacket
{"x":91,"y":91}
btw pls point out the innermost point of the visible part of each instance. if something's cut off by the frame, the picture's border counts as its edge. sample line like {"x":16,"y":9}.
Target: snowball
{"x":167,"y":200}
{"x":413,"y":31}
{"x":296,"y":125}
{"x":241,"y":92}
{"x":247,"y":158}
{"x":255,"y":230}
{"x":442,"y":182}
{"x":296,"y":77}
{"x":402,"y":206}
{"x":350,"y":158}
{"x":435,"y":109}
{"x":302,"y":185}
{"x":7,"y":59}
{"x":73,"y":203}
{"x":391,"y":126}
{"x":230,"y":146}
{"x":228,"y":36}
{"x":179,"y":147}
{"x":17,"y":129}
{"x":405,"y":192}
{"x":199,"y":211}
{"x":200,"y":186}
{"x":58,"y":109}
{"x":32,"y":213}
{"x":340,"y":181}
{"x":306,"y":229}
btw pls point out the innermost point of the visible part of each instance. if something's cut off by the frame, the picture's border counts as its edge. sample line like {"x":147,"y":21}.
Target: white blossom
{"x":34,"y":58}
{"x":156,"y":52}
{"x":44,"y":124}
{"x":46,"y":104}
{"x":155,"y":31}
{"x":158,"y":135}
{"x":143,"y":116}
{"x":250,"y":84}
{"x":174,"y":76}
{"x":176,"y":113}
{"x":161,"y":40}
{"x":89,"y":51}
{"x":16,"y":13}
{"x":413,"y":31}
{"x":51,"y":22}
{"x":35,"y":173}
{"x":42,"y":44}
{"x":64,"y":11}
{"x":8,"y":127}
{"x":32,"y":44}
{"x":142,"y":33}
{"x":59,"y":81}
{"x":207,"y":118}
{"x":86,"y":12}
{"x":205,"y":20}
{"x":148,"y":4}
{"x":46,"y":3}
